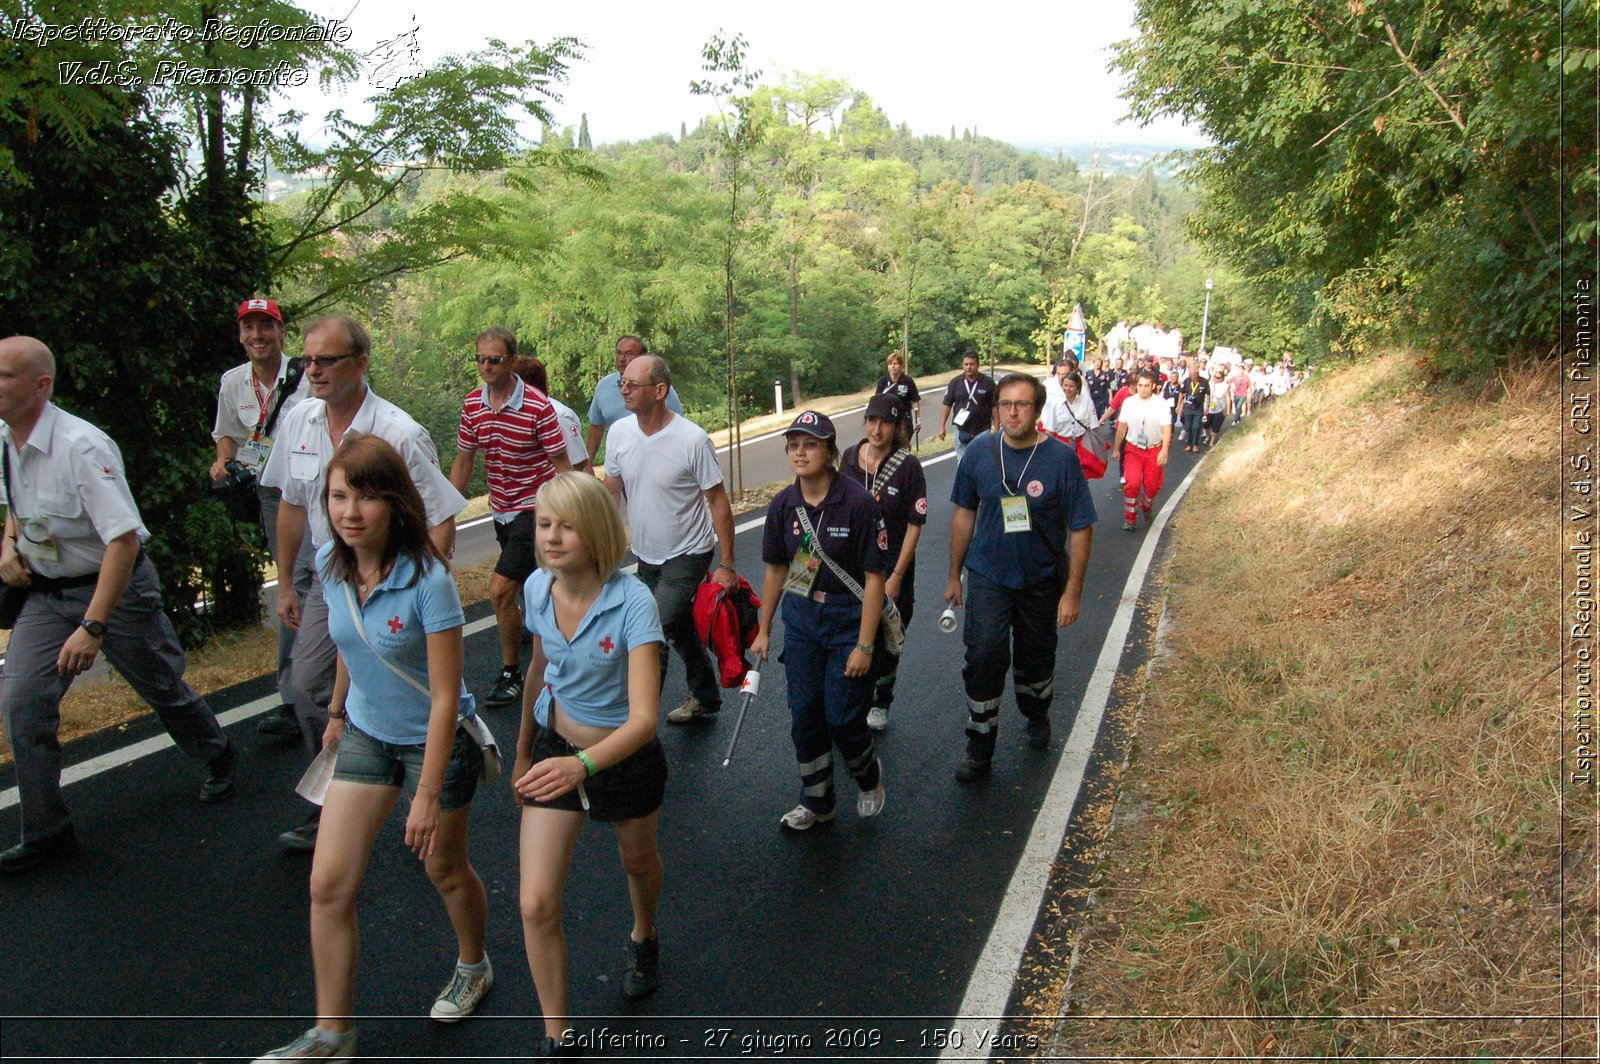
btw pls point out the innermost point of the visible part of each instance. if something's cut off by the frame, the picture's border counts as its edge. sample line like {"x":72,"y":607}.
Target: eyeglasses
{"x":806,"y":443}
{"x":1014,"y":404}
{"x":629,"y":386}
{"x":492,"y":360}
{"x":325,"y":361}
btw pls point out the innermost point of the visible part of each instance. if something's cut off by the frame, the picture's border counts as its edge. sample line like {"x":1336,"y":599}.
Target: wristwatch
{"x":94,"y":628}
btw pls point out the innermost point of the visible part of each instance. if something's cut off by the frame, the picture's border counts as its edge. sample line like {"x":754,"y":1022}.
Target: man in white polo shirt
{"x":663,"y":464}
{"x":251,"y":404}
{"x":74,"y":541}
{"x":336,"y":353}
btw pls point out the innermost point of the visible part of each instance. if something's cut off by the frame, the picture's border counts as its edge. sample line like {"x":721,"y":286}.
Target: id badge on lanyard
{"x":259,"y":445}
{"x":37,"y":540}
{"x":1014,"y":510}
{"x":803,"y":569}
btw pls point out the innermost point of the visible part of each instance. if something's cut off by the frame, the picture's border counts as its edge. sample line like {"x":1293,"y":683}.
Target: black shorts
{"x":1213,"y":422}
{"x":518,"y":559}
{"x":628,"y":790}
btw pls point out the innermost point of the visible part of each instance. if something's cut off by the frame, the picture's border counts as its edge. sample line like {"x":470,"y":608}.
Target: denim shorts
{"x":628,"y":790}
{"x":363,"y":759}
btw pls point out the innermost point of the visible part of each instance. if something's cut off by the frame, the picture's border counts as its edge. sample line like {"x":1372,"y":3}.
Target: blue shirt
{"x":1058,"y":502}
{"x":607,"y":406}
{"x":849,"y":527}
{"x":589,"y":674}
{"x":397,"y":620}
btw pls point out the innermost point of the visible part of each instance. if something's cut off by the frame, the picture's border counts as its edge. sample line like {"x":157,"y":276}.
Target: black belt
{"x":53,"y":584}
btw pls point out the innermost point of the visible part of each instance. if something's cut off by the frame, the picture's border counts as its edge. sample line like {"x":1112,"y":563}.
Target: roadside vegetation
{"x":1344,"y":830}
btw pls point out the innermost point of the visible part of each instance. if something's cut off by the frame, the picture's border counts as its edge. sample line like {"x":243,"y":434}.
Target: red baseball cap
{"x":257,"y":305}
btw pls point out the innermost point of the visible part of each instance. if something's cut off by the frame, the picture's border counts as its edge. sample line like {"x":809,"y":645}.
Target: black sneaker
{"x":556,"y":1048}
{"x":639,"y":982}
{"x":302,"y":836}
{"x":27,"y":855}
{"x":280,"y":722}
{"x":507,"y":689}
{"x":1039,"y":734}
{"x":971,"y":769}
{"x":219,"y":775}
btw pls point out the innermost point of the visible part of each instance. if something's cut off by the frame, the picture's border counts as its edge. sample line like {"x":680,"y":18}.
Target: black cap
{"x":812,"y":424}
{"x":884,"y":406}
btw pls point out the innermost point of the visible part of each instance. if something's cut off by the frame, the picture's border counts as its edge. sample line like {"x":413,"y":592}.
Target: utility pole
{"x":1205,"y":319}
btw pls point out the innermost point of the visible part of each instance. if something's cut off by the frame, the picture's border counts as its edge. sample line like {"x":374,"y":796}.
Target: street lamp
{"x":1205,"y":320}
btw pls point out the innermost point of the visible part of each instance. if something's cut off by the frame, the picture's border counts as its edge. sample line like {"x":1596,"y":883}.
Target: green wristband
{"x":588,"y":762}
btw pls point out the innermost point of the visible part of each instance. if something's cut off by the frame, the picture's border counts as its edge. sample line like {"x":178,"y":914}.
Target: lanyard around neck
{"x":999,"y":457}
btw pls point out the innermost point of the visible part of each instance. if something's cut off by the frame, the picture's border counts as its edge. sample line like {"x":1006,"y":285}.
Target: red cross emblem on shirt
{"x":395,"y":624}
{"x":607,"y":645}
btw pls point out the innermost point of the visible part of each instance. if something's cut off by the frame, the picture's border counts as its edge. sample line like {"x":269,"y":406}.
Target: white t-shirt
{"x":664,"y":477}
{"x":1146,"y":419}
{"x":572,"y":429}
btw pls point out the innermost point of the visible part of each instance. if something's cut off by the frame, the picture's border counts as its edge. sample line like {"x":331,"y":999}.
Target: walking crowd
{"x":360,"y":519}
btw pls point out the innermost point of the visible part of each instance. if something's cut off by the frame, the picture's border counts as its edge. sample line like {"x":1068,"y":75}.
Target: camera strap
{"x":291,"y":381}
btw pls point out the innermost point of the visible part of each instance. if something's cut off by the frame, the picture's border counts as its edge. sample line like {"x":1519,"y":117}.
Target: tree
{"x":177,"y":222}
{"x":797,"y":154}
{"x":584,"y":143}
{"x":737,"y":136}
{"x":1387,"y":160}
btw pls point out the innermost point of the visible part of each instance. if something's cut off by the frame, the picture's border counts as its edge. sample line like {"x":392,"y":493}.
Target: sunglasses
{"x":325,"y":361}
{"x":492,"y":360}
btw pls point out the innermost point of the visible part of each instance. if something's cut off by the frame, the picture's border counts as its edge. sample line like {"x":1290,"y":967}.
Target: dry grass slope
{"x":1346,"y":835}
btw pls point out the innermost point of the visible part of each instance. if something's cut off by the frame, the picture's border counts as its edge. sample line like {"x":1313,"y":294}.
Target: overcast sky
{"x":1017,"y":71}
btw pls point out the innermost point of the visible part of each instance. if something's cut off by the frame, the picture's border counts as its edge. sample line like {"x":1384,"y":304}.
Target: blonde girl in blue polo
{"x":588,"y":740}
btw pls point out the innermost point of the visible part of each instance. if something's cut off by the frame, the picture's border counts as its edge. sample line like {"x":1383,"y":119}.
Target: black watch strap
{"x":94,"y":628}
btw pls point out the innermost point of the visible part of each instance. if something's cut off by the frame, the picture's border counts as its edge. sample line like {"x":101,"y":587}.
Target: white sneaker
{"x":877,"y":718}
{"x":310,"y":1046}
{"x":870,"y":803}
{"x":802,"y":819}
{"x":690,"y":710}
{"x":458,"y":1000}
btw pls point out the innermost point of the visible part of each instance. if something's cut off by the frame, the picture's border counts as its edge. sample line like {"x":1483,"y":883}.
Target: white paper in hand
{"x":313,"y":786}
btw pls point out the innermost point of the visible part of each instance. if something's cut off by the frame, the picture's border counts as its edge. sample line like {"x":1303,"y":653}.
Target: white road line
{"x":156,"y":743}
{"x":996,"y":971}
{"x":117,"y":758}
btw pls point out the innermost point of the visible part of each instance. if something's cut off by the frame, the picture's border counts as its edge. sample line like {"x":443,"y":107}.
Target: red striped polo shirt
{"x":516,"y":442}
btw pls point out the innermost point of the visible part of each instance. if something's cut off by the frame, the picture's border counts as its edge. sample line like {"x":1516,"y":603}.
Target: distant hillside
{"x":1114,"y":158}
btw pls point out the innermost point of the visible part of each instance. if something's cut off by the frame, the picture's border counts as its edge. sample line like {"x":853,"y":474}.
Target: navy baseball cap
{"x":812,"y":424}
{"x":886,"y":407}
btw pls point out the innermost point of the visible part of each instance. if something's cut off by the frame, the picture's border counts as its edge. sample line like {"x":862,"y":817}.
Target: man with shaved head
{"x":664,"y":466}
{"x":74,"y":540}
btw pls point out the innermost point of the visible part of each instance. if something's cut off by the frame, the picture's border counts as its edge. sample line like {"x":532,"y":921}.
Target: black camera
{"x":237,"y":492}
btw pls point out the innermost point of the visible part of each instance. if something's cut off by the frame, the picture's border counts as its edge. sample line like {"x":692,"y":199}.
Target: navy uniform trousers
{"x":1007,"y":629}
{"x":826,"y":707}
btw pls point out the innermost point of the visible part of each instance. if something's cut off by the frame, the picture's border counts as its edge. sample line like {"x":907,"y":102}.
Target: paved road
{"x":179,"y":932}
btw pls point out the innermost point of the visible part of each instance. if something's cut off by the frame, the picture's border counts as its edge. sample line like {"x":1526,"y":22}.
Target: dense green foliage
{"x":1398,"y":170}
{"x":132,"y":225}
{"x":849,"y":238}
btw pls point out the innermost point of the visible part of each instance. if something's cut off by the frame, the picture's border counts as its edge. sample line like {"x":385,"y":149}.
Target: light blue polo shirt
{"x":590,"y":674}
{"x":397,"y":619}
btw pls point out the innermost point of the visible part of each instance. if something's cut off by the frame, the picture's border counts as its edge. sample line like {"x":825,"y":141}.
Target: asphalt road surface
{"x":179,"y":931}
